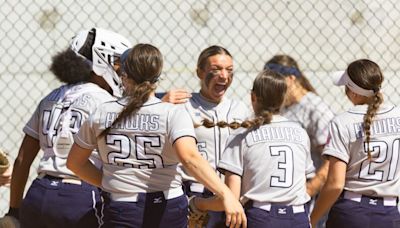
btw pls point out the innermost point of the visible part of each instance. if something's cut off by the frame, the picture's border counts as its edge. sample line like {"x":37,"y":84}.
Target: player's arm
{"x":176,"y":96}
{"x":199,"y":168}
{"x":27,"y":152}
{"x":79,"y":163}
{"x":315,"y":184}
{"x":331,"y":190}
{"x":233,"y":181}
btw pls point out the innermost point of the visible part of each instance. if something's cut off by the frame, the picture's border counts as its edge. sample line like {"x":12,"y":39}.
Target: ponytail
{"x":264,"y":118}
{"x":373,"y":107}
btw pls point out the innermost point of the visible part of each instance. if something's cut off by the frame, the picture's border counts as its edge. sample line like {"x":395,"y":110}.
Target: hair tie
{"x":283,"y":69}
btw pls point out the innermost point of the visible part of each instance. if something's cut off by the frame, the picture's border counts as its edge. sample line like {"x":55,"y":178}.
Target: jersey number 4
{"x":383,"y":164}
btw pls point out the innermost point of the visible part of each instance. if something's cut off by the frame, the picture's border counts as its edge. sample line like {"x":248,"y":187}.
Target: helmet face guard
{"x":102,"y":48}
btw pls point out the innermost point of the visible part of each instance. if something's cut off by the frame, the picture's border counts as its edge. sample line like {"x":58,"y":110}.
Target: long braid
{"x":264,"y":118}
{"x":373,"y":107}
{"x":269,"y":89}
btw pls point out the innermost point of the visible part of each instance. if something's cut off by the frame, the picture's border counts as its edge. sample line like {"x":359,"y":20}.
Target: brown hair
{"x":70,"y":68}
{"x":368,"y":75}
{"x":287,"y":61}
{"x":269,"y":88}
{"x":142,"y":66}
{"x":208,"y":52}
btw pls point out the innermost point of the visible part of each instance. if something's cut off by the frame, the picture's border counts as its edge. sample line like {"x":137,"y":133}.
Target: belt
{"x":133,"y":197}
{"x":281,"y":208}
{"x":196,"y":187}
{"x":357,"y":197}
{"x":63,"y":180}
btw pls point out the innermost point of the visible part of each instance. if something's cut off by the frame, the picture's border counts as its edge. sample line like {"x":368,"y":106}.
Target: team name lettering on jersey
{"x":142,"y":122}
{"x":379,"y":127}
{"x":276,"y":133}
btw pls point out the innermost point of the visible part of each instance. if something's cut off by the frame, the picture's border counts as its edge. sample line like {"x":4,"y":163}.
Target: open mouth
{"x":220,"y":88}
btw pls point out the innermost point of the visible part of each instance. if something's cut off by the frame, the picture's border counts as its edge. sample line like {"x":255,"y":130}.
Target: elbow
{"x":335,"y":185}
{"x":71,"y":165}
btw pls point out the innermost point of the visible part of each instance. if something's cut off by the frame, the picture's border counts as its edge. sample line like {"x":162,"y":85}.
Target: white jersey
{"x":211,"y":141}
{"x":314,"y":115}
{"x":58,"y":116}
{"x":138,"y":154}
{"x":381,"y":175}
{"x":272,"y":160}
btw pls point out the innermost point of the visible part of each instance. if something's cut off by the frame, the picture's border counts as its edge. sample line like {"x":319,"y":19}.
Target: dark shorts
{"x":276,"y":216}
{"x":150,"y":210}
{"x":216,"y":219}
{"x":370,"y":212}
{"x":51,"y":203}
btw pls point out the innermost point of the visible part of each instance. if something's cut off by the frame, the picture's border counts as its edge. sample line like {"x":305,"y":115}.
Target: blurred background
{"x":322,"y":35}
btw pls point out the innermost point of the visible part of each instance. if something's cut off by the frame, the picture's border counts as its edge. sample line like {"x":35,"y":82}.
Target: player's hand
{"x":10,"y":220}
{"x":5,"y":169}
{"x":5,"y":178}
{"x":176,"y":96}
{"x":235,"y":216}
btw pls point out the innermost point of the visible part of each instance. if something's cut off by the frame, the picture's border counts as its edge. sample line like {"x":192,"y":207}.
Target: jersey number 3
{"x":285,"y":166}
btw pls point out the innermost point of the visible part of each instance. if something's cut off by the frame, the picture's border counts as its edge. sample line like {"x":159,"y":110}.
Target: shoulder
{"x":89,"y":97}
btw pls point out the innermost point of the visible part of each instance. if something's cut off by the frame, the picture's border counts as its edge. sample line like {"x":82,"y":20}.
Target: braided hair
{"x":269,"y":89}
{"x":368,"y":75}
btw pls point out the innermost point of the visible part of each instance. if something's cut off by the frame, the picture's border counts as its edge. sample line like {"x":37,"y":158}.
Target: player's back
{"x":275,"y":162}
{"x":55,"y":121}
{"x":137,"y":153}
{"x":379,"y":176}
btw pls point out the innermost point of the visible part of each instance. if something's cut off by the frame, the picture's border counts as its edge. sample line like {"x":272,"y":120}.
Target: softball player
{"x":58,"y":198}
{"x":215,"y":71}
{"x":266,"y":164}
{"x":141,"y":141}
{"x":363,"y":181}
{"x":303,"y":105}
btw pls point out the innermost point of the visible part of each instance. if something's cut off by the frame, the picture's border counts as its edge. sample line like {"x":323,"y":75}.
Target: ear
{"x":290,"y":80}
{"x":200,"y":73}
{"x":253,"y":97}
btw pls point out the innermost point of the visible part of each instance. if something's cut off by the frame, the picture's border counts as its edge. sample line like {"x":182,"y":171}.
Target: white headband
{"x":344,"y":79}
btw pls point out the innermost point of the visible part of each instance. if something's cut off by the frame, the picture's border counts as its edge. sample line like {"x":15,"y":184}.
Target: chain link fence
{"x":323,"y":36}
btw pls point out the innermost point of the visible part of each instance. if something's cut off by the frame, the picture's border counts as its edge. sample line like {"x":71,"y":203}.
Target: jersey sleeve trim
{"x":331,"y":153}
{"x":29,"y":131}
{"x":223,"y":166}
{"x":184,"y":136}
{"x":83,"y":144}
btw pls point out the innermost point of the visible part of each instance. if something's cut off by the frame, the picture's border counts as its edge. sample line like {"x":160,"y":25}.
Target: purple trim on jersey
{"x":364,"y":111}
{"x":122,"y":100}
{"x":223,"y":170}
{"x":184,"y":136}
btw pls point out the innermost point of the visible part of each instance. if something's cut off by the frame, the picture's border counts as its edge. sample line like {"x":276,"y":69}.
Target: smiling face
{"x":216,"y":77}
